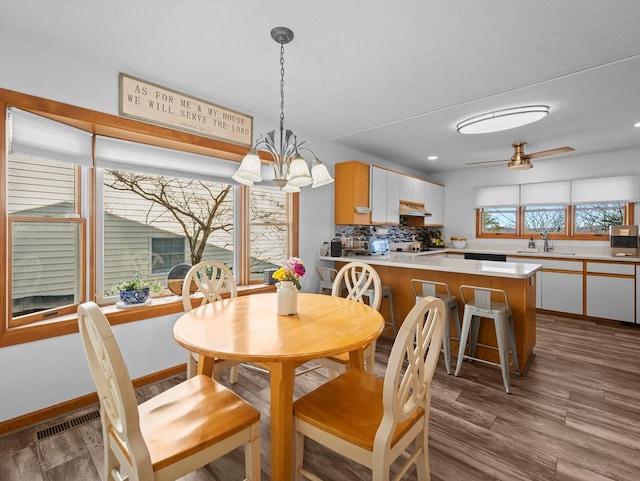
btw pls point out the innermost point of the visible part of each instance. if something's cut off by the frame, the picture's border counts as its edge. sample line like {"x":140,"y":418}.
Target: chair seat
{"x":190,"y":417}
{"x":354,"y":418}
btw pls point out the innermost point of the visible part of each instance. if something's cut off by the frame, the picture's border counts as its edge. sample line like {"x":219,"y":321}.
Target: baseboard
{"x":72,"y":405}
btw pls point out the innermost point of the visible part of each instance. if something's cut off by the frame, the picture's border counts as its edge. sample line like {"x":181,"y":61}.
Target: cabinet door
{"x":393,"y":197}
{"x":434,"y":203}
{"x":411,"y":189}
{"x":562,"y":292}
{"x":611,"y":297}
{"x":378,"y":193}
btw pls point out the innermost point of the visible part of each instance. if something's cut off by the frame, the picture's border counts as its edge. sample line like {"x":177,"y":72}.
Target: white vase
{"x":287,"y":298}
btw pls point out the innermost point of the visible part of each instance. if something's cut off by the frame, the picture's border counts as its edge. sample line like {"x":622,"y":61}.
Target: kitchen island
{"x":517,"y":279}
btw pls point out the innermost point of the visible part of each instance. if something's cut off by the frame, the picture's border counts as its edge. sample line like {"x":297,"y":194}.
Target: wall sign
{"x":148,"y":102}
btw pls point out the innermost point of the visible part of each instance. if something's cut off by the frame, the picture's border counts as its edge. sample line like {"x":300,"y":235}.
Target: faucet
{"x":545,"y":235}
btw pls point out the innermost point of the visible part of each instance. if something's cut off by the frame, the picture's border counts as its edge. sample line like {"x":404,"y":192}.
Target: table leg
{"x":282,"y":379}
{"x":205,"y":365}
{"x":356,"y":359}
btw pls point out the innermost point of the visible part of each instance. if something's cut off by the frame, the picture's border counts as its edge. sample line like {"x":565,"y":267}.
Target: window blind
{"x":606,"y":189}
{"x":119,"y":154}
{"x":546,"y":193}
{"x":499,"y":196}
{"x":38,"y":137}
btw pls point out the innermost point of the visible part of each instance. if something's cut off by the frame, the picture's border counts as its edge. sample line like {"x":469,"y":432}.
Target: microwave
{"x":624,"y":240}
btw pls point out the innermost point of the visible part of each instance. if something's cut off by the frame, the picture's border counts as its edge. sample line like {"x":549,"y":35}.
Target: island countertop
{"x":434,"y":262}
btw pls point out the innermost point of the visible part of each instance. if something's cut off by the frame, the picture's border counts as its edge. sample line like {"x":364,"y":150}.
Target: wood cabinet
{"x":384,"y":193}
{"x":352,"y":193}
{"x":434,"y":203}
{"x":610,"y":289}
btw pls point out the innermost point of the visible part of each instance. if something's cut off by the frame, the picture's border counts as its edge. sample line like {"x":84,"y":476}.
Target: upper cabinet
{"x":434,"y":203}
{"x":352,"y":193}
{"x":384,"y":192}
{"x":366,"y":194}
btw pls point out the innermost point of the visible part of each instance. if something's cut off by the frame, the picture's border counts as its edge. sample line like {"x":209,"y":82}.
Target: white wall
{"x":460,"y":185}
{"x":39,"y":374}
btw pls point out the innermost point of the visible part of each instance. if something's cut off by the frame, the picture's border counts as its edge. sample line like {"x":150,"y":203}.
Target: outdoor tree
{"x":198,"y":207}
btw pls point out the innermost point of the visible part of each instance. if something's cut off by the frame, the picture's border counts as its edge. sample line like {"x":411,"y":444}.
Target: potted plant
{"x":136,"y":290}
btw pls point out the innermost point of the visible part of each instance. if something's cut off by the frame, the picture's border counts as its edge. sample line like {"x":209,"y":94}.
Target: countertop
{"x":430,"y":260}
{"x":560,"y":253}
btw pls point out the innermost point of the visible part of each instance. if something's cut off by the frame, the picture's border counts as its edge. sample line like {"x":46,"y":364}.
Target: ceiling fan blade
{"x":546,"y":153}
{"x":486,"y":162}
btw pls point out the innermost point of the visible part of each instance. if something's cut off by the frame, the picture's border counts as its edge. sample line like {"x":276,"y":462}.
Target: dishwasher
{"x":485,"y":257}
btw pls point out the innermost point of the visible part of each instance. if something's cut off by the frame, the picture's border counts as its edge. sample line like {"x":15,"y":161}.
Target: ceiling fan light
{"x":520,"y":165}
{"x":503,"y":119}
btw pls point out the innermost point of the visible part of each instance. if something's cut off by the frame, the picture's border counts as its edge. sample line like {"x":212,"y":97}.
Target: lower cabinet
{"x":561,"y":291}
{"x":611,"y":291}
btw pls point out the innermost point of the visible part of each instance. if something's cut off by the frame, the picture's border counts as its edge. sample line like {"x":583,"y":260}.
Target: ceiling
{"x":388,"y":78}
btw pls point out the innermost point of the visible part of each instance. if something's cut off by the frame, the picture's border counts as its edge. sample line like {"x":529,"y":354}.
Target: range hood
{"x":413,"y":209}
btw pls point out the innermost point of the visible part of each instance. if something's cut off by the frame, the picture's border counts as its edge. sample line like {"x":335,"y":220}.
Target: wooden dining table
{"x":248,"y":329}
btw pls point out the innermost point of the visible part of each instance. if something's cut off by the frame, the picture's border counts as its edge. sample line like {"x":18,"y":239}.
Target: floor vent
{"x":66,"y":425}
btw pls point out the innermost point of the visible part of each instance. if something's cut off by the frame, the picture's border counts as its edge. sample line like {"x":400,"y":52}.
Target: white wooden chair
{"x":172,"y":434}
{"x":360,"y":281}
{"x":372,"y":421}
{"x":204,"y":283}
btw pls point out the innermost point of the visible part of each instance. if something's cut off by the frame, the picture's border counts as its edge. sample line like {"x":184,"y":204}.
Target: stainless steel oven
{"x":624,"y":240}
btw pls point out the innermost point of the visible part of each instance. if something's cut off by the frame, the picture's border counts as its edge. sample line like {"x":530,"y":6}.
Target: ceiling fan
{"x":521,"y":161}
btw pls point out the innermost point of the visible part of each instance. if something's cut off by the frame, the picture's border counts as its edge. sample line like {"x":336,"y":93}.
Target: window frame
{"x":99,"y":123}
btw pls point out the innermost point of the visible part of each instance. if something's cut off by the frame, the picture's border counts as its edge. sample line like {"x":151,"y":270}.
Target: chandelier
{"x":289,"y":167}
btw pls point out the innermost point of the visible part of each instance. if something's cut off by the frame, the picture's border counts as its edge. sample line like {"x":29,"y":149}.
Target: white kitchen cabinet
{"x":411,"y":189}
{"x":611,"y":291}
{"x":434,"y":203}
{"x":384,"y":191}
{"x":561,"y":291}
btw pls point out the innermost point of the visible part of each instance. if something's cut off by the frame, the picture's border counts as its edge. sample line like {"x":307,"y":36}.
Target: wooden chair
{"x":204,"y":283}
{"x":360,"y":281}
{"x":172,"y":434}
{"x":372,"y":421}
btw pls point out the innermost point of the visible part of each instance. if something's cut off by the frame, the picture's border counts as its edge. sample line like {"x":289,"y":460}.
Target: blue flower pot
{"x":135,"y":296}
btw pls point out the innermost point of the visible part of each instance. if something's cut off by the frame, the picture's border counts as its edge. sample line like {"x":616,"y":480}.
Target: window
{"x":83,"y":211}
{"x":596,"y":218}
{"x":166,"y":252}
{"x":499,"y":220}
{"x":269,"y":228}
{"x":171,"y":211}
{"x":537,"y":218}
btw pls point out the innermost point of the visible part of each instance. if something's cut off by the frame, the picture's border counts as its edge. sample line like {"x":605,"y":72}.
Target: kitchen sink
{"x":549,"y":253}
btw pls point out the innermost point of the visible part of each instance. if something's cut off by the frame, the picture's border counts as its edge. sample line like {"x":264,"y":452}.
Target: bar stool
{"x":422,"y":289}
{"x":386,"y":294}
{"x":483,"y":307}
{"x":327,"y":275}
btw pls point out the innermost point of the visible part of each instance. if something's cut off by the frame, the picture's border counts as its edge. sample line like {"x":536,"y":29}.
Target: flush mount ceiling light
{"x":503,"y":119}
{"x":290,"y":170}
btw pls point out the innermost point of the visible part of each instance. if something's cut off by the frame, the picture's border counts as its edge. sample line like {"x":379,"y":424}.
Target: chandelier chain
{"x":281,"y":87}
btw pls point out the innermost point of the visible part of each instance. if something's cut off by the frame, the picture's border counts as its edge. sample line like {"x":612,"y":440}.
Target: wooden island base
{"x":522,"y":299}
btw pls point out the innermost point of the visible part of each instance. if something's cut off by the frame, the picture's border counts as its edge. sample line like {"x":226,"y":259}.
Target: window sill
{"x":68,"y":324}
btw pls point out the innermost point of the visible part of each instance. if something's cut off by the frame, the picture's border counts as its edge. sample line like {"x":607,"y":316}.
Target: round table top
{"x":247,"y":328}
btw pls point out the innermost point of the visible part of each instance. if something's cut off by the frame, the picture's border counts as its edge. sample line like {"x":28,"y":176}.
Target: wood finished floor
{"x":574,"y":417}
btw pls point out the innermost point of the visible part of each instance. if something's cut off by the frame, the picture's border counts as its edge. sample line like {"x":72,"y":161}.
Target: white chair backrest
{"x":211,"y":279}
{"x":411,"y":366}
{"x":358,"y":278}
{"x":118,"y":406}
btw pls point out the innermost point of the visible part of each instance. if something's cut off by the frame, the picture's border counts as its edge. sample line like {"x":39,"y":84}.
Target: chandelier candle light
{"x":290,"y":169}
{"x":288,"y":277}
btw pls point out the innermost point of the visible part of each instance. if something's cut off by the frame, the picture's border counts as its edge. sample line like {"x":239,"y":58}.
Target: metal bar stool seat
{"x":386,"y":294}
{"x":421,"y":289}
{"x":327,"y":276}
{"x":483,"y":307}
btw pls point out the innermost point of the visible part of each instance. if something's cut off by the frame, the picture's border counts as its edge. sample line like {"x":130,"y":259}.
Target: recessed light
{"x":500,"y":120}
{"x":637,"y":124}
{"x":432,"y":157}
